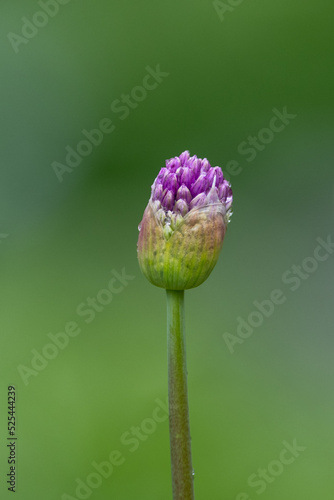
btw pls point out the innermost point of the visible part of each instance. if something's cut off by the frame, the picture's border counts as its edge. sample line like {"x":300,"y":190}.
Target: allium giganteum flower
{"x":184,"y":224}
{"x":180,"y":238}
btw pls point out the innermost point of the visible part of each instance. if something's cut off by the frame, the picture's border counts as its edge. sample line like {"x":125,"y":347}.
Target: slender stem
{"x":180,"y":446}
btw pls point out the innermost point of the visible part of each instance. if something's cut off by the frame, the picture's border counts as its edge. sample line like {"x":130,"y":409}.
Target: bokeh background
{"x":228,"y":67}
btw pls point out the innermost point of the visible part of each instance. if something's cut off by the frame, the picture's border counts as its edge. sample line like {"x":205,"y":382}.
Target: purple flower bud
{"x":224,"y":191}
{"x":184,"y":194}
{"x":157,"y":191}
{"x":225,"y":195}
{"x":198,"y":201}
{"x":173,"y":164}
{"x":210,"y":177}
{"x":178,"y":174}
{"x":196,"y":167}
{"x":181,"y":207}
{"x":187,"y":177}
{"x":184,"y":157}
{"x":191,"y":161}
{"x":168,"y":200}
{"x":205,"y":165}
{"x":219,"y":176}
{"x":229,"y":198}
{"x":162,"y":174}
{"x":199,"y":186}
{"x":170,"y":183}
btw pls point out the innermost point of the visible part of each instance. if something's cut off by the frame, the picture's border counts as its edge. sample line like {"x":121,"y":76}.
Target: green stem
{"x":180,"y":446}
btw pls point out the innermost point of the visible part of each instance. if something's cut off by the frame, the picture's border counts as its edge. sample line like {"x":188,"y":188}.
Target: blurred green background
{"x":228,"y":68}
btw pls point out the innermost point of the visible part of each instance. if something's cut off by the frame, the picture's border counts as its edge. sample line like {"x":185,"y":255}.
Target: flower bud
{"x":184,"y":224}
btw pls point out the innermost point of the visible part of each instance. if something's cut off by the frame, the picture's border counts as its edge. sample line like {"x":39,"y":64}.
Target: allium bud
{"x":184,"y":224}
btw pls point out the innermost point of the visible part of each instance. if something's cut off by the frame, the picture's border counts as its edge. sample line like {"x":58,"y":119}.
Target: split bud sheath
{"x":184,"y":224}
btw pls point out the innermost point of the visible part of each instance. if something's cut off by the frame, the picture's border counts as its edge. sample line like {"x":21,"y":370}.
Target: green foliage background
{"x":64,"y":239}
